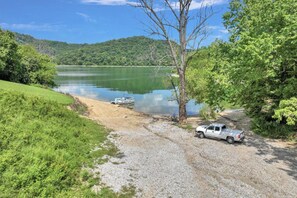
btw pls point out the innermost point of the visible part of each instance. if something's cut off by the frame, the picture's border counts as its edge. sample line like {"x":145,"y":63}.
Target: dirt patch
{"x":114,"y":116}
{"x":163,"y":160}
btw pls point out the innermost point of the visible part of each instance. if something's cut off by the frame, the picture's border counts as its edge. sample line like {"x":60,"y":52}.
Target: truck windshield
{"x":224,"y":127}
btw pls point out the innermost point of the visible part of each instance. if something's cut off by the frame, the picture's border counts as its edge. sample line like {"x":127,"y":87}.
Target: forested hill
{"x":127,"y":51}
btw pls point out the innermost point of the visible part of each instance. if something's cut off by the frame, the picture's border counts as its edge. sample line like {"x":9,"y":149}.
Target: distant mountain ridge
{"x":138,"y":51}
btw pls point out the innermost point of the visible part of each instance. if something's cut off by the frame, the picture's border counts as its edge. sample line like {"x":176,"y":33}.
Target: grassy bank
{"x":27,"y":90}
{"x":45,"y":148}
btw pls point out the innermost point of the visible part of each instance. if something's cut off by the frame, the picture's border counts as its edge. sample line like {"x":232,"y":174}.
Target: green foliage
{"x":262,"y":67}
{"x":42,"y":146}
{"x":10,"y":67}
{"x":207,"y":113}
{"x":257,"y":69}
{"x":287,"y":110}
{"x":272,"y":129}
{"x":23,"y":64}
{"x":45,"y":94}
{"x":39,"y":68}
{"x":133,"y":51}
{"x":197,"y":75}
{"x":206,"y":76}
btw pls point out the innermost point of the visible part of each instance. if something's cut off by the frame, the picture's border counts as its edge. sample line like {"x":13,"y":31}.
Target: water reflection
{"x":152,"y":94}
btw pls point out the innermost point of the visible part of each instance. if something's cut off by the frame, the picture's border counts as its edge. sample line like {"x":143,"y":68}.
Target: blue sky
{"x":88,"y":21}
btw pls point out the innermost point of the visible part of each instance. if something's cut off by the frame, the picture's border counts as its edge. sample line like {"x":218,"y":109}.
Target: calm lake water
{"x":150,"y":87}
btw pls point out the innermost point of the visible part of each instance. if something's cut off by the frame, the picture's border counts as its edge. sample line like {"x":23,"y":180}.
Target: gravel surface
{"x":163,"y":160}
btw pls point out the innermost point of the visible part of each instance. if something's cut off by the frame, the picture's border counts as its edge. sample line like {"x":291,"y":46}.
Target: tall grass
{"x":43,"y":147}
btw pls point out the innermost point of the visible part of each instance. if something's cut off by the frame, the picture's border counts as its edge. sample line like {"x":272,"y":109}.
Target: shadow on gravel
{"x":274,"y":154}
{"x":270,"y":153}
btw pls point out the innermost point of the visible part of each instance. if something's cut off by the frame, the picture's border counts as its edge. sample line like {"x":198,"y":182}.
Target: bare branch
{"x":175,"y":16}
{"x":172,"y":10}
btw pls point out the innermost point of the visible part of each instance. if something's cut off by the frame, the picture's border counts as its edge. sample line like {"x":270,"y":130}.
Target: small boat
{"x":123,"y":100}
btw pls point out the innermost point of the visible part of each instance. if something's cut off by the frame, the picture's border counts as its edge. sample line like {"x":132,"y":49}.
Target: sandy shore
{"x":163,"y":160}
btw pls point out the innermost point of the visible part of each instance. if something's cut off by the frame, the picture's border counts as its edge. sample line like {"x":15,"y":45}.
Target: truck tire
{"x":201,"y":135}
{"x":230,"y":140}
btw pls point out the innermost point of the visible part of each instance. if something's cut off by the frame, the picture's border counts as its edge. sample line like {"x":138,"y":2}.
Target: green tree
{"x":23,"y":64}
{"x":39,"y":68}
{"x":10,"y":68}
{"x":287,"y":110}
{"x":262,"y":66}
{"x":206,"y":77}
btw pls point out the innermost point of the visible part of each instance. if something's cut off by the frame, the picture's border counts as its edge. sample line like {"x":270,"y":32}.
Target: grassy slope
{"x":36,"y":91}
{"x":43,"y":146}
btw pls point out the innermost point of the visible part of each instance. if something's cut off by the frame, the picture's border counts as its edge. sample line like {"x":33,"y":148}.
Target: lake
{"x":150,"y":86}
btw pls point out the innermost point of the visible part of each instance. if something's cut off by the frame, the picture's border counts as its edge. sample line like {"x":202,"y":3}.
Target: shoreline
{"x":155,"y":152}
{"x":233,"y":118}
{"x":159,"y":116}
{"x":116,"y":66}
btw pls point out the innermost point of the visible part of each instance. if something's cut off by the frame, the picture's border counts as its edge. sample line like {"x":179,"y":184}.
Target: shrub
{"x":273,"y":129}
{"x":207,"y":113}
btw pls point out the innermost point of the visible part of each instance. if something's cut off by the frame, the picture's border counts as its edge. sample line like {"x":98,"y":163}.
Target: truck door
{"x":217,"y":131}
{"x":210,"y":131}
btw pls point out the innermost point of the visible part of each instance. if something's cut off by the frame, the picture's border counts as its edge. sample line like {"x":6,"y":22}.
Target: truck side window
{"x":217,"y":128}
{"x":210,"y":128}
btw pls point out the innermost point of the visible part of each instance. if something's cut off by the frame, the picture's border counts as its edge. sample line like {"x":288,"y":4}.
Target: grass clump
{"x":43,"y":147}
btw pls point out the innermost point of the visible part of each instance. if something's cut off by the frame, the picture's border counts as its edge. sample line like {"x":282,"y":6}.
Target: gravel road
{"x":163,"y":160}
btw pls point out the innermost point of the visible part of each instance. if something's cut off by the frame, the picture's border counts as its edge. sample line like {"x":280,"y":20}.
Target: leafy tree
{"x":262,"y":66}
{"x":39,"y":68}
{"x":23,"y":64}
{"x":287,"y":110}
{"x":206,"y":77}
{"x":10,"y":68}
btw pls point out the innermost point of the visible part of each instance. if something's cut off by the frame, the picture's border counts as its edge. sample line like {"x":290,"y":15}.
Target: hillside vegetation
{"x":140,"y":51}
{"x":46,"y":148}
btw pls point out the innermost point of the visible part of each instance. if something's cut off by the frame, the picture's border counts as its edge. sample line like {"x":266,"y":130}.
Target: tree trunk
{"x":182,"y":96}
{"x":177,"y":21}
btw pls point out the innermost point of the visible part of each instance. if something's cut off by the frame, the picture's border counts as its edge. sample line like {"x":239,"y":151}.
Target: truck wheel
{"x":201,"y":135}
{"x":230,"y":140}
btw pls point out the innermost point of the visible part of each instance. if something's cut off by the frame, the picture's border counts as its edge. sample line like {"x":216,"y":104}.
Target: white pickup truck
{"x":220,"y":131}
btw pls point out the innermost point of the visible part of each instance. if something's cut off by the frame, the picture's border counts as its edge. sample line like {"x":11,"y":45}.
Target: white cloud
{"x":110,"y":2}
{"x":30,"y":26}
{"x":217,"y":29}
{"x":224,"y":31}
{"x":217,"y":36}
{"x":213,"y":27}
{"x":205,"y":3}
{"x":86,"y":17}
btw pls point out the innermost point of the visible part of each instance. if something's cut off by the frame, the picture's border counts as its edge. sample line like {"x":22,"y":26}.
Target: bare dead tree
{"x":188,"y":24}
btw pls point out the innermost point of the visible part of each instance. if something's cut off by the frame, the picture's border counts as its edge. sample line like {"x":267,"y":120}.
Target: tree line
{"x":132,"y":51}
